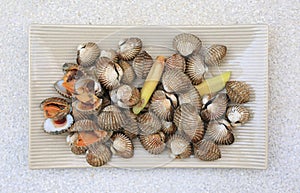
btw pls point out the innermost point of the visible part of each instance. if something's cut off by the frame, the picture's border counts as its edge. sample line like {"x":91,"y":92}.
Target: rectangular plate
{"x":247,"y":57}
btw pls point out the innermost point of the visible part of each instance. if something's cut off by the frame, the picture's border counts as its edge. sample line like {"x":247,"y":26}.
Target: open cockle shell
{"x":58,"y":127}
{"x":55,"y":108}
{"x":87,"y":54}
{"x":153,"y":143}
{"x":180,"y":148}
{"x":214,"y":55}
{"x":98,"y":155}
{"x":142,"y":64}
{"x":148,"y":123}
{"x":238,"y":92}
{"x":122,"y":145}
{"x":207,"y":151}
{"x":237,"y":115}
{"x":109,"y":73}
{"x":219,"y":132}
{"x":129,"y":48}
{"x":187,"y":44}
{"x":175,"y":81}
{"x":195,"y":68}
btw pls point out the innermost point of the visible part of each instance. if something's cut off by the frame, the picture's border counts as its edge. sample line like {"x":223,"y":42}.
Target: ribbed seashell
{"x":109,"y":73}
{"x":69,"y":66}
{"x":127,"y":96}
{"x":129,"y":48}
{"x":187,"y":44}
{"x":162,"y":106}
{"x":71,"y":140}
{"x":61,"y":89}
{"x":80,"y":114}
{"x":191,"y":96}
{"x":237,"y":115}
{"x":176,"y":61}
{"x":55,"y":108}
{"x":180,"y":148}
{"x":142,"y":64}
{"x":111,"y":54}
{"x":175,"y":81}
{"x":153,"y":143}
{"x":58,"y":126}
{"x":131,"y":128}
{"x":219,"y":132}
{"x":89,"y":108}
{"x":87,"y":85}
{"x":168,"y":128}
{"x":87,"y":54}
{"x":148,"y":123}
{"x":215,"y":107}
{"x":238,"y":92}
{"x":98,"y":155}
{"x":128,"y":72}
{"x":122,"y":145}
{"x":111,"y":118}
{"x":84,"y":125}
{"x":188,"y":122}
{"x":195,"y":68}
{"x":207,"y":151}
{"x":215,"y":54}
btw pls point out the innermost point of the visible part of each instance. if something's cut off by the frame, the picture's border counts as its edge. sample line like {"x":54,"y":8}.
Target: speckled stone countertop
{"x":283,"y":172}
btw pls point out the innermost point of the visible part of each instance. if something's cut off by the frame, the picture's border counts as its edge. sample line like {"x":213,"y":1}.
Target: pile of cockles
{"x":110,"y":97}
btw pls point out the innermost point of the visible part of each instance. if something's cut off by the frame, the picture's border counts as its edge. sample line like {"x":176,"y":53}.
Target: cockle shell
{"x":84,"y":125}
{"x":187,"y":44}
{"x":131,"y":128}
{"x":125,"y":96}
{"x":162,"y":105}
{"x":111,"y":118}
{"x":238,"y":92}
{"x":142,"y":64}
{"x":237,"y":115}
{"x":148,"y":123}
{"x":109,"y":73}
{"x":168,"y":128}
{"x":153,"y":143}
{"x":71,"y":140}
{"x":59,"y":126}
{"x":176,"y":61}
{"x":180,"y":148}
{"x":215,"y":107}
{"x":98,"y":155}
{"x":129,"y":48}
{"x":175,"y":81}
{"x":219,"y":132}
{"x":111,"y":54}
{"x":207,"y":151}
{"x":195,"y":68}
{"x":128,"y":72}
{"x":191,"y":96}
{"x":215,"y":54}
{"x":55,"y":108}
{"x":188,"y":122}
{"x":122,"y":145}
{"x":87,"y":54}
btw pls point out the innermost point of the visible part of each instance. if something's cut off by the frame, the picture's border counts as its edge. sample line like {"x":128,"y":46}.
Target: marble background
{"x":283,"y":172}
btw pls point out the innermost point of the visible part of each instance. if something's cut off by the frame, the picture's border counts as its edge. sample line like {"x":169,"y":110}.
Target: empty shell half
{"x":129,"y":48}
{"x":215,"y":54}
{"x":87,"y":54}
{"x":237,"y":115}
{"x":238,"y":92}
{"x":187,"y":44}
{"x":153,"y":143}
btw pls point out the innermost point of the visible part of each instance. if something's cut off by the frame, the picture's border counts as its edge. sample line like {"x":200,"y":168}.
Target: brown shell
{"x":131,"y":128}
{"x":148,"y":123}
{"x":78,"y":150}
{"x":207,"y":151}
{"x":111,"y":118}
{"x":129,"y":48}
{"x":111,"y":54}
{"x":215,"y":54}
{"x":175,"y":81}
{"x":87,"y":54}
{"x":195,"y":69}
{"x":176,"y":61}
{"x":55,"y":108}
{"x":187,"y":44}
{"x":127,"y":96}
{"x":191,"y":96}
{"x":84,"y":125}
{"x":168,"y":128}
{"x":238,"y":92}
{"x":215,"y":107}
{"x":69,"y":66}
{"x":188,"y":122}
{"x":142,"y":64}
{"x":81,"y":114}
{"x":122,"y":145}
{"x":61,"y":89}
{"x":98,"y":155}
{"x":162,"y":105}
{"x":219,"y":132}
{"x":180,"y":148}
{"x":128,"y":72}
{"x":109,"y":73}
{"x":237,"y":115}
{"x":86,"y":108}
{"x":153,"y":143}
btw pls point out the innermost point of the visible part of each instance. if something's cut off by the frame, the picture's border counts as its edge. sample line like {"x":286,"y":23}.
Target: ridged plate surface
{"x":247,"y":58}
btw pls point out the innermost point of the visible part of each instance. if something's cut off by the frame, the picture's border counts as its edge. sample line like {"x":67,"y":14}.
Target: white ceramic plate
{"x":247,"y":58}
